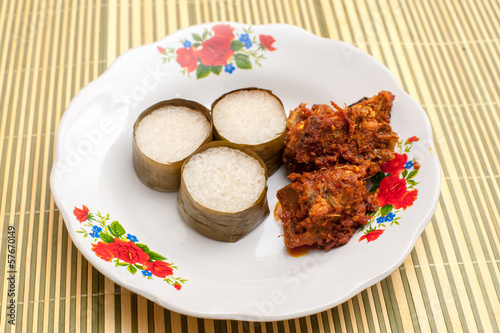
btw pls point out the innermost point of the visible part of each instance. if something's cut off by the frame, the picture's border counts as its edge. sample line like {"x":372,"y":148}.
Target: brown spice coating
{"x":324,"y":136}
{"x":324,"y":208}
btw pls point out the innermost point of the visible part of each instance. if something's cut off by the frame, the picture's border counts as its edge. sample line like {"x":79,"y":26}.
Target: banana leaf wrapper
{"x":165,"y":177}
{"x":271,"y":151}
{"x":222,"y":226}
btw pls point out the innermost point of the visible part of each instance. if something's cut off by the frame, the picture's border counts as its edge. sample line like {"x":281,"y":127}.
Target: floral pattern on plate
{"x":396,"y":190}
{"x":219,"y":49}
{"x":113,"y":244}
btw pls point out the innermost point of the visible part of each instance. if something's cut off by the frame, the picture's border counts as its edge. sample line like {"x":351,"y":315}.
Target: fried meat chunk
{"x":325,"y":136}
{"x":324,"y":208}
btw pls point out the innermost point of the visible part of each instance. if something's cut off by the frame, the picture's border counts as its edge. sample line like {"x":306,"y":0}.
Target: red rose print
{"x":391,"y":190}
{"x":120,"y":248}
{"x":413,"y":138}
{"x":395,"y":189}
{"x":372,"y":235}
{"x":267,"y":41}
{"x":128,"y":252}
{"x":216,"y":51}
{"x":223,"y":30}
{"x":397,"y":165}
{"x":81,"y":214}
{"x":159,"y":268}
{"x":187,"y":58}
{"x":103,"y":251}
{"x":407,"y":199}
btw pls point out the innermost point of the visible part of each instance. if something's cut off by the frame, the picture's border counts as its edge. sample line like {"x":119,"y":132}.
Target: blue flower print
{"x":95,"y":231}
{"x":229,"y":68}
{"x":132,"y":238}
{"x":245,"y":39}
{"x":147,"y":273}
{"x":389,"y":217}
{"x":409,"y":165}
{"x":186,"y":44}
{"x":381,"y":219}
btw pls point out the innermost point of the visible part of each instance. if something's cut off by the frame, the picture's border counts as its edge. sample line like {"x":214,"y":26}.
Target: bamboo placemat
{"x":446,"y":55}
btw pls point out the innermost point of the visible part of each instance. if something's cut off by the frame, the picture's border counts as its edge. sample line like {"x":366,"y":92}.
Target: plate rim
{"x":66,"y":213}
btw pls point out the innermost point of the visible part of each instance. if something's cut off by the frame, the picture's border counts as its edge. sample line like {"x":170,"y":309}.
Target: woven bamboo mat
{"x":446,"y":55}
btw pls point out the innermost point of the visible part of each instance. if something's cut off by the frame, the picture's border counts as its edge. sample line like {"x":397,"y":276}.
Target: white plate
{"x":254,"y":278}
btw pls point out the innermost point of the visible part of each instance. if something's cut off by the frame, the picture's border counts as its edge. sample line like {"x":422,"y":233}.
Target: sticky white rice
{"x":224,"y":179}
{"x":249,"y":117}
{"x":171,"y":133}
